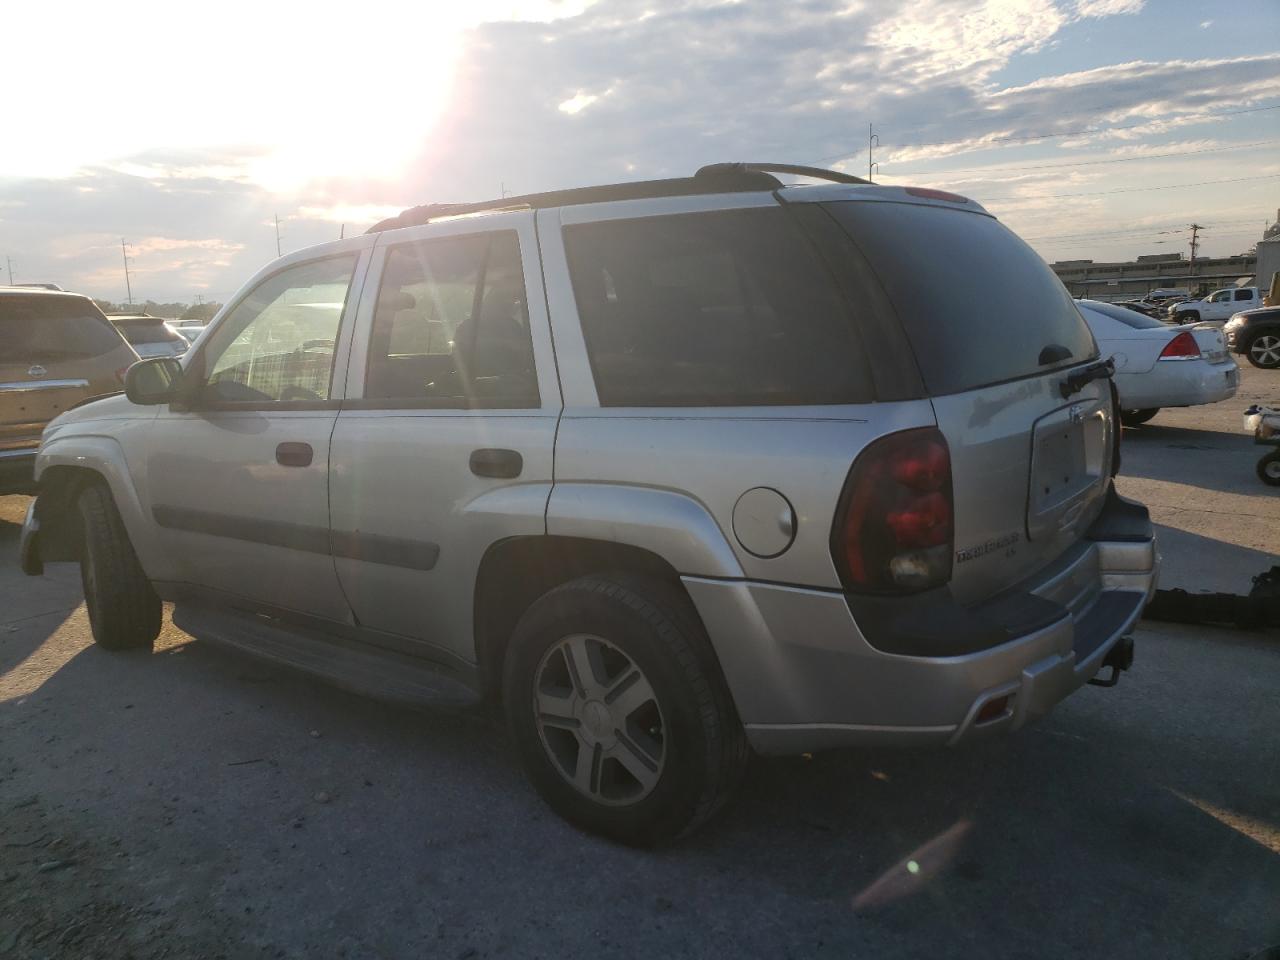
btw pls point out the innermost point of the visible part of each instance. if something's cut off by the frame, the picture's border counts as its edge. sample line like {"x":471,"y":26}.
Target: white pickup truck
{"x":1218,"y":306}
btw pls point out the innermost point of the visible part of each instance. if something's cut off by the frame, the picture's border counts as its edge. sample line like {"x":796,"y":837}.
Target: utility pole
{"x":9,"y":262}
{"x":128,"y":286}
{"x":1195,"y":245}
{"x":502,"y":186}
{"x":277,"y":234}
{"x":873,"y":141}
{"x":342,"y":232}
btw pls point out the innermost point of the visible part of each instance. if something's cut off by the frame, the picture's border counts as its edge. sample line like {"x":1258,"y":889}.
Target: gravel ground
{"x":196,"y":803}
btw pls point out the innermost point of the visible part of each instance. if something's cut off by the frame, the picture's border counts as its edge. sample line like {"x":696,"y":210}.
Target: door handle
{"x":294,"y":454}
{"x":502,"y":464}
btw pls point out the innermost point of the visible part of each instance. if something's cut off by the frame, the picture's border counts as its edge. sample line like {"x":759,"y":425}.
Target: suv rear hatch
{"x":996,"y":338}
{"x":55,"y":351}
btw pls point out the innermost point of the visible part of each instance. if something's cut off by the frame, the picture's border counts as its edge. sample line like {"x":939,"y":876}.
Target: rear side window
{"x":978,"y":305}
{"x":53,"y":328}
{"x":1130,"y":318}
{"x":1244,"y":294}
{"x":728,"y":308}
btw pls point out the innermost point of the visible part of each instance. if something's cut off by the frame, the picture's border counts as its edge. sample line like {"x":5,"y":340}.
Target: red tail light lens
{"x":894,"y":530}
{"x":1181,"y":347}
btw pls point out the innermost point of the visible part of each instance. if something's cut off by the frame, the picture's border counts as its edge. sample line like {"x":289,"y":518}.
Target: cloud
{"x":1108,"y":8}
{"x":628,"y":89}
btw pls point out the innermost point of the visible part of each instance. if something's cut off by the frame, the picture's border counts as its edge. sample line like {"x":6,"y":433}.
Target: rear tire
{"x":1187,"y":316}
{"x":1264,"y":351}
{"x":1269,"y":469}
{"x":1133,"y":418}
{"x":124,"y":611}
{"x":619,"y":711}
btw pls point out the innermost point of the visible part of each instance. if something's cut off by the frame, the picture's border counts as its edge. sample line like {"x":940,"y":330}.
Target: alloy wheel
{"x":599,"y":720}
{"x":1265,"y":350}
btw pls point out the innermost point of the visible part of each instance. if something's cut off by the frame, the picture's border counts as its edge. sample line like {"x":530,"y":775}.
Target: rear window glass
{"x":1130,"y":318}
{"x":137,"y":332}
{"x":53,"y":328}
{"x":729,"y":308}
{"x":978,"y":305}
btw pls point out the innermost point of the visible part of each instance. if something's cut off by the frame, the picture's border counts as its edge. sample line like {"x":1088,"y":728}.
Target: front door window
{"x":277,"y":345}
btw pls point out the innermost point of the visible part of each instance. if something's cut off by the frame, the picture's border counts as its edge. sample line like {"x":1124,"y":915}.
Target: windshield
{"x":53,"y":328}
{"x":978,"y":305}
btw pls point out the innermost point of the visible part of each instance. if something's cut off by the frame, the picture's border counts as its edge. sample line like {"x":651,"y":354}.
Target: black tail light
{"x":894,"y":529}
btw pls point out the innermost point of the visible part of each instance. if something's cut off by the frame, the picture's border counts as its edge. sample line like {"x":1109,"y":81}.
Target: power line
{"x":1066,"y":133}
{"x":1152,"y":229}
{"x":1104,"y":193}
{"x":1082,"y":163}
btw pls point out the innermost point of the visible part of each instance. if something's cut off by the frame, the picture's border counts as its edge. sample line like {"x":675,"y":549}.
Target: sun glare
{"x":285,"y":94}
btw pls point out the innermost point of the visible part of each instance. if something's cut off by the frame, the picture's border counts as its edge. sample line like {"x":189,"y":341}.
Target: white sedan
{"x":1158,"y":365}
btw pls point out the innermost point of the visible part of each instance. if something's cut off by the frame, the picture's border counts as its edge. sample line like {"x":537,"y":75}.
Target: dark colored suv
{"x":1256,"y":335}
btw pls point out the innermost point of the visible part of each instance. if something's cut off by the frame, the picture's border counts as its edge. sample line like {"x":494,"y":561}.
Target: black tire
{"x":1132,"y":418}
{"x":1263,"y":350}
{"x":124,"y":610}
{"x":704,"y":750}
{"x":1269,"y":469}
{"x":1187,"y":316}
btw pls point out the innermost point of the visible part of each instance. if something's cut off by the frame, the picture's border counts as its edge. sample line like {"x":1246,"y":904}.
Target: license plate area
{"x":1067,"y":463}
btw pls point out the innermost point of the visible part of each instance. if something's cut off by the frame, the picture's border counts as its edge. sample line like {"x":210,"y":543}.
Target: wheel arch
{"x":517,"y":571}
{"x":63,"y":468}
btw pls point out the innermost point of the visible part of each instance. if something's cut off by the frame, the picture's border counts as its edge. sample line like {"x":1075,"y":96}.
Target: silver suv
{"x":670,"y":470}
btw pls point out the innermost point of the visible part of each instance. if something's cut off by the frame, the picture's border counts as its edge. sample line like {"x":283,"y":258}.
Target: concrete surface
{"x":195,"y":802}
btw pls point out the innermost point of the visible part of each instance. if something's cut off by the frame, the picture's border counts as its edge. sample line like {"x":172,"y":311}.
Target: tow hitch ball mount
{"x":1119,"y":658}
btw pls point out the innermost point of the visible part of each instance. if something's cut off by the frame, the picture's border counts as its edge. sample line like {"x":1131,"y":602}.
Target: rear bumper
{"x":1182,"y":383}
{"x":805,"y":678}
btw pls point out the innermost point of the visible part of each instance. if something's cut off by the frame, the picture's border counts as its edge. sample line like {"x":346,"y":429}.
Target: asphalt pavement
{"x":196,"y":802}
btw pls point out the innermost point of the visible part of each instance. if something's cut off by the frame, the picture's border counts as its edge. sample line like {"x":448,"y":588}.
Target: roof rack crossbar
{"x":818,"y":173}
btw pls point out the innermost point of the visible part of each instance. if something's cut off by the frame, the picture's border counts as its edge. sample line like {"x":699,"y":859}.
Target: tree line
{"x":170,"y":311}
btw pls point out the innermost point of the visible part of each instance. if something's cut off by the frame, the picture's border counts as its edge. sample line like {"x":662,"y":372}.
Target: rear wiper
{"x":1078,"y":379}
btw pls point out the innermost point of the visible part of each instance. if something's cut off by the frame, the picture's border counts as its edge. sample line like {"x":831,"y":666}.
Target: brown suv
{"x":56,"y":350}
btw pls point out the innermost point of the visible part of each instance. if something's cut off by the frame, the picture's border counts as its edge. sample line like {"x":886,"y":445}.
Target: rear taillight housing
{"x":1181,"y":347}
{"x":894,"y":529}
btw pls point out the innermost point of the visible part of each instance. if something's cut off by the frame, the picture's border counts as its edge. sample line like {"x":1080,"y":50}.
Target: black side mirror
{"x":153,"y":381}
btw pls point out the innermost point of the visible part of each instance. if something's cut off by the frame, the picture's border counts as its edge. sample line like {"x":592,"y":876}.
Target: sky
{"x":1096,"y":129}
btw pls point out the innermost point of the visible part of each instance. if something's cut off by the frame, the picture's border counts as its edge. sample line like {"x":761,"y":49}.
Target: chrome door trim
{"x":30,"y":386}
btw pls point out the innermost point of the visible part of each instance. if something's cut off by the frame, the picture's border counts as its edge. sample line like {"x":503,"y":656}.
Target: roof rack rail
{"x":818,"y":173}
{"x":718,"y":178}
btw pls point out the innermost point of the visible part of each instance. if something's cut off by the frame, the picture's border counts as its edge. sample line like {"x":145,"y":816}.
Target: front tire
{"x":124,"y":611}
{"x":1269,"y":469}
{"x":1133,"y":418}
{"x":1264,"y":351}
{"x":619,"y":711}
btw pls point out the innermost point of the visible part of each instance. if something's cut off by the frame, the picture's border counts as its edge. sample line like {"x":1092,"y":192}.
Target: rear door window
{"x":725,"y":308}
{"x":1244,"y":294}
{"x":42,"y":328}
{"x":1130,"y":318}
{"x":978,"y":305}
{"x":451,"y":326}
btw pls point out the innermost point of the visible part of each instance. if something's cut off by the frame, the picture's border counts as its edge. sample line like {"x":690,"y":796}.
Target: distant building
{"x":1131,"y":279}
